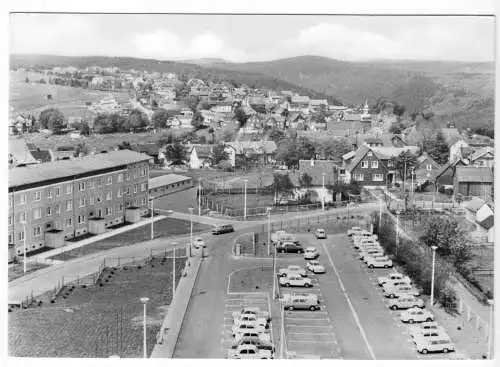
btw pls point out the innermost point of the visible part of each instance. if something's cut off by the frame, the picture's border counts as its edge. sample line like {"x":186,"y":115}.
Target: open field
{"x":162,"y":228}
{"x":17,"y":270}
{"x":97,"y":321}
{"x":31,"y":97}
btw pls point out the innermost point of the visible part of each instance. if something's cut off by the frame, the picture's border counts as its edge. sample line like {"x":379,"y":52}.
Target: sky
{"x":243,"y":38}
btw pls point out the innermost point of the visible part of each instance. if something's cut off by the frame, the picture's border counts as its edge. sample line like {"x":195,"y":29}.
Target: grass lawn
{"x":97,"y":321}
{"x":258,"y":279}
{"x":484,"y":261}
{"x":163,"y":228}
{"x":17,"y":270}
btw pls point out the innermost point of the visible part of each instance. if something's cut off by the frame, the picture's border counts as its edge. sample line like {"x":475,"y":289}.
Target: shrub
{"x":448,"y":299}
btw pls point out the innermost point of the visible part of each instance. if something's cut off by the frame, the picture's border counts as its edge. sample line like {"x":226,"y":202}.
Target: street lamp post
{"x":245,"y":203}
{"x":282,"y":338}
{"x":434,"y":248}
{"x":397,"y":231}
{"x":24,"y":249}
{"x":173,"y":277}
{"x":324,"y":193}
{"x":152,"y":220}
{"x":144,"y":301}
{"x":269,"y":249}
{"x":199,"y":196}
{"x":191,"y":237}
{"x":379,"y":217}
{"x":490,"y":336}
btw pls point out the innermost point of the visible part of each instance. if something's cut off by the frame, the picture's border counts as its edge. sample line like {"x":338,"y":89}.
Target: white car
{"x":395,"y":283}
{"x":249,"y":351}
{"x":379,"y":263}
{"x":292,"y":269}
{"x":250,"y":319}
{"x":369,"y":252}
{"x":315,"y":267}
{"x":425,"y":326}
{"x":264,"y":336}
{"x":247,"y":326}
{"x":295,"y":280}
{"x":434,"y":344}
{"x":251,"y":310}
{"x":366,"y":245}
{"x":413,"y":315}
{"x":405,"y":302}
{"x":354,"y":230}
{"x":379,"y":257}
{"x":320,"y":233}
{"x":393,"y":276}
{"x":400,"y":290}
{"x":311,"y":253}
{"x":198,"y":242}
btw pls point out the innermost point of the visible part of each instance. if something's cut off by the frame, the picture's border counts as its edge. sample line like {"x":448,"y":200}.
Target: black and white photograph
{"x":250,"y":185}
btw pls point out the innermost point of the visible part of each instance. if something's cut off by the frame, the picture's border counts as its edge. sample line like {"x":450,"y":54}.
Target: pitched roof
{"x":451,"y":135}
{"x":360,"y":154}
{"x":68,"y":168}
{"x":481,"y":152}
{"x":20,"y":152}
{"x":202,"y":150}
{"x":474,"y":204}
{"x":392,"y":152}
{"x":148,"y":148}
{"x":447,"y":166}
{"x":349,"y":155}
{"x":166,"y":180}
{"x":42,"y":155}
{"x":265,"y":146}
{"x":474,"y":174}
{"x":345,"y":128}
{"x":487,"y":223}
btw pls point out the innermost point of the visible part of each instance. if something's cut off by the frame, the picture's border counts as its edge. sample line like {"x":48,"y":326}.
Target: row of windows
{"x":365,"y":164}
{"x":375,"y":177}
{"x":37,"y":195}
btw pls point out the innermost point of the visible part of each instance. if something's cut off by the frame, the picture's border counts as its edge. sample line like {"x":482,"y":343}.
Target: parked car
{"x":247,"y":326}
{"x":378,"y":263}
{"x":315,"y":267}
{"x":264,"y":336}
{"x":254,"y":340}
{"x":369,"y":252}
{"x":320,"y":233}
{"x":301,"y":302}
{"x":378,"y":257}
{"x":248,"y":351}
{"x":251,"y":310}
{"x":434,"y":344}
{"x":399,"y":290}
{"x":290,"y":247}
{"x":393,"y":276}
{"x":292,"y":269}
{"x":405,"y":302}
{"x":357,"y":231}
{"x":295,"y":280}
{"x":227,"y":228}
{"x":415,"y":314}
{"x":424,"y":326}
{"x":251,"y":319}
{"x":395,"y":283}
{"x":311,"y":253}
{"x":198,"y":242}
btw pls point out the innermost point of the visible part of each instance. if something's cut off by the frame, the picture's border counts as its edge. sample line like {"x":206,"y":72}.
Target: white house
{"x":199,"y":155}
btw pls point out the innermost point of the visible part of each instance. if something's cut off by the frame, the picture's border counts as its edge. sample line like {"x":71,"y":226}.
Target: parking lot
{"x":310,"y":333}
{"x":234,"y":302}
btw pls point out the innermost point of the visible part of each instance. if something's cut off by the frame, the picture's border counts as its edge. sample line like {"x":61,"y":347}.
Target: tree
{"x":398,"y":110}
{"x":137,"y":120}
{"x":160,"y":118}
{"x":84,"y":128}
{"x":52,"y":119}
{"x":396,"y":128}
{"x":176,"y":153}
{"x":334,"y":148}
{"x":81,"y":149}
{"x":380,"y":105}
{"x":166,"y":139}
{"x":288,"y":153}
{"x":437,"y":148}
{"x":305,"y":180}
{"x":204,"y":105}
{"x":125,"y":145}
{"x":276,"y":135}
{"x":26,"y":80}
{"x":193,"y":102}
{"x":219,"y":154}
{"x":197,"y":120}
{"x":305,"y":148}
{"x":405,"y":160}
{"x":282,"y":185}
{"x":240,"y":116}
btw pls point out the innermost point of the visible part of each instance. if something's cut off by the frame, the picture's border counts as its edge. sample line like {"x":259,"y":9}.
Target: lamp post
{"x":152,"y":221}
{"x":379,"y":217}
{"x":397,"y":231}
{"x":269,"y":249}
{"x":144,"y":301}
{"x":323,"y":200}
{"x":434,"y":248}
{"x":173,"y":276}
{"x":490,"y":336}
{"x":282,"y":338}
{"x":245,"y":203}
{"x":191,"y":237}
{"x":24,"y":249}
{"x":199,"y":196}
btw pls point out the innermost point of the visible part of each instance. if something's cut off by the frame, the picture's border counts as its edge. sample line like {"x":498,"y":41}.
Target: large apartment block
{"x":61,"y":200}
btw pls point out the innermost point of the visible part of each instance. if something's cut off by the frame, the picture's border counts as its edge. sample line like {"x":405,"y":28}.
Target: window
{"x":37,"y":231}
{"x":10,"y":201}
{"x":143,"y":172}
{"x":143,"y":187}
{"x":390,"y":163}
{"x":119,"y":193}
{"x":144,"y":201}
{"x":374,"y":164}
{"x":81,"y":219}
{"x":429,"y":167}
{"x":81,"y":186}
{"x":369,"y":154}
{"x":99,"y":182}
{"x":49,"y":210}
{"x":359,"y":177}
{"x":342,"y":171}
{"x":69,"y":205}
{"x":22,"y":199}
{"x":128,"y":190}
{"x":81,"y":202}
{"x":109,"y":211}
{"x":134,"y":174}
{"x":37,"y":213}
{"x":127,"y":176}
{"x":11,"y":239}
{"x":58,"y":209}
{"x":377,"y":177}
{"x":120,"y":207}
{"x":20,"y":236}
{"x":10,"y":220}
{"x":109,"y":196}
{"x":91,"y":184}
{"x":109,"y":180}
{"x":364,"y":164}
{"x":49,"y":194}
{"x":58,"y":191}
{"x":136,"y":188}
{"x":38,"y":196}
{"x":92,"y":200}
{"x":69,"y":189}
{"x":22,"y":217}
{"x":120,"y":177}
{"x":69,"y":222}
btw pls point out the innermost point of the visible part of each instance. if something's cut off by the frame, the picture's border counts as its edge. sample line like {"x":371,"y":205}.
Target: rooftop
{"x":68,"y":168}
{"x":166,"y":180}
{"x":474,"y":174}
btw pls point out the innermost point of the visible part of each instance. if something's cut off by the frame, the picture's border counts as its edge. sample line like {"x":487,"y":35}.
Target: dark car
{"x":290,"y":247}
{"x":227,"y":228}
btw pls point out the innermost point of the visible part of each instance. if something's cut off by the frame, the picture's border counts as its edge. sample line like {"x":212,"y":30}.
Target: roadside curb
{"x":172,"y":324}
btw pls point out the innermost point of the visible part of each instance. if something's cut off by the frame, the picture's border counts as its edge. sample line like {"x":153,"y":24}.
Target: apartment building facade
{"x":62,"y":200}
